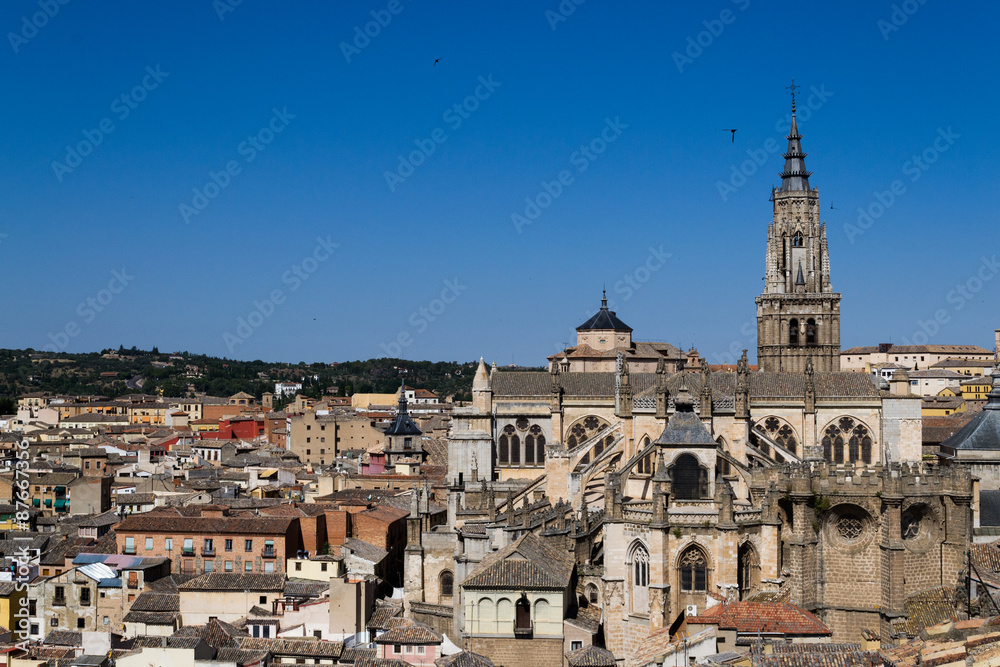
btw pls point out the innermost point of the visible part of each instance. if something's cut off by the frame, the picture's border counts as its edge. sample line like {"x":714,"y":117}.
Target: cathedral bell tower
{"x":798,"y":314}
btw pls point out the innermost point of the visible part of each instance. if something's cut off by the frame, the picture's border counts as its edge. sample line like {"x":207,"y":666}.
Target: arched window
{"x":447,"y":584}
{"x":810,"y":331}
{"x":515,"y":450}
{"x":487,"y":615}
{"x":529,"y":450}
{"x":540,"y":450}
{"x":690,"y":481}
{"x":749,"y":570}
{"x":797,"y":240}
{"x":639,"y":575}
{"x":793,"y":331}
{"x":857,"y":438}
{"x":503,"y":450}
{"x":592,"y":594}
{"x":693,"y":570}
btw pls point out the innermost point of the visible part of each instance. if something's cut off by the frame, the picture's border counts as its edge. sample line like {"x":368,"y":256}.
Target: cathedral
{"x":674,"y":486}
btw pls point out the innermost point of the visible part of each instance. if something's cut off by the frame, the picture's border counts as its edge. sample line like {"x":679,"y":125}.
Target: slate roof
{"x":685,"y":428}
{"x":591,"y":656}
{"x":983,"y":430}
{"x":236,"y":581}
{"x":760,"y":617}
{"x":527,"y":563}
{"x":604,"y":319}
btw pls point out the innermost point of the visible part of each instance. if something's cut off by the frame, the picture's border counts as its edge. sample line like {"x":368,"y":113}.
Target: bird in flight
{"x":831,"y":205}
{"x":734,"y":134}
{"x":436,"y":61}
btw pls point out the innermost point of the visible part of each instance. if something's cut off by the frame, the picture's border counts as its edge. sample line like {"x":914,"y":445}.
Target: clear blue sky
{"x":326,"y":131}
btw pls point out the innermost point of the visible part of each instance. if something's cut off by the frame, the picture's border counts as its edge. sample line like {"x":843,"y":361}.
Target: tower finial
{"x":792,"y":88}
{"x":604,"y":297}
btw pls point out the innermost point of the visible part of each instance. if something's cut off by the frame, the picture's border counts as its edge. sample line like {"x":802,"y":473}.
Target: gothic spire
{"x":794,"y":176}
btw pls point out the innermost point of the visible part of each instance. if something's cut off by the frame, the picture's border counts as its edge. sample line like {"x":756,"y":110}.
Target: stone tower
{"x":798,"y":315}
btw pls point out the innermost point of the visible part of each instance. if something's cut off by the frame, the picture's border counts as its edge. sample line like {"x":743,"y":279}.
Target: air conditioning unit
{"x":691,"y":610}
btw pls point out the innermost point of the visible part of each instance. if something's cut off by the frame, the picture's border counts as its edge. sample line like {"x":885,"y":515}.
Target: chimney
{"x":900,"y":383}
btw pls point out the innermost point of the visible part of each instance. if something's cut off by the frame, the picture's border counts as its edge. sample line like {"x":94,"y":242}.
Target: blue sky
{"x":247,"y":198}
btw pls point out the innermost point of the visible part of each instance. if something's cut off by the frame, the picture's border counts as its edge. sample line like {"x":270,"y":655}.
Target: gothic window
{"x":521,"y":423}
{"x":508,"y":429}
{"x":639,"y":567}
{"x":749,"y":570}
{"x":793,"y":332}
{"x":529,"y":450}
{"x":856,"y":437}
{"x":515,"y":450}
{"x":781,"y":433}
{"x":693,"y":570}
{"x":797,"y":240}
{"x":810,"y":331}
{"x":690,"y":481}
{"x":447,"y":584}
{"x":591,"y":590}
{"x":535,"y":430}
{"x":540,"y":450}
{"x":503,"y":450}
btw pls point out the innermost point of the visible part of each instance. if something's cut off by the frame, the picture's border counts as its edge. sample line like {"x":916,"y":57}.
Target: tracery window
{"x":781,"y":433}
{"x":639,"y":560}
{"x":584,"y":430}
{"x":847,"y":442}
{"x":693,"y":570}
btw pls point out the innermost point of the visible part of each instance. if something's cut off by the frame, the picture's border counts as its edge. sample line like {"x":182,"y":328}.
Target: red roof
{"x":769,"y":617}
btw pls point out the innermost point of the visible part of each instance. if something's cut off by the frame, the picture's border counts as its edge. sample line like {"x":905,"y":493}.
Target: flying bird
{"x":437,"y":61}
{"x":734,"y":134}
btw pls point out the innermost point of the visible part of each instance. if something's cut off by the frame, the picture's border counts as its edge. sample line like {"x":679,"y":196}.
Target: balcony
{"x":525,"y":631}
{"x":128,"y":551}
{"x":208,"y":551}
{"x":269,"y":553}
{"x":187,"y":552}
{"x":59,"y":601}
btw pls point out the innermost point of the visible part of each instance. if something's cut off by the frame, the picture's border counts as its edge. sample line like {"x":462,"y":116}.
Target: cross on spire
{"x":792,"y":88}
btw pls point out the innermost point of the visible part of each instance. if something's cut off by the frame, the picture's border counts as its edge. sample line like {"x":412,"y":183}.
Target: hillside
{"x":115,"y":372}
